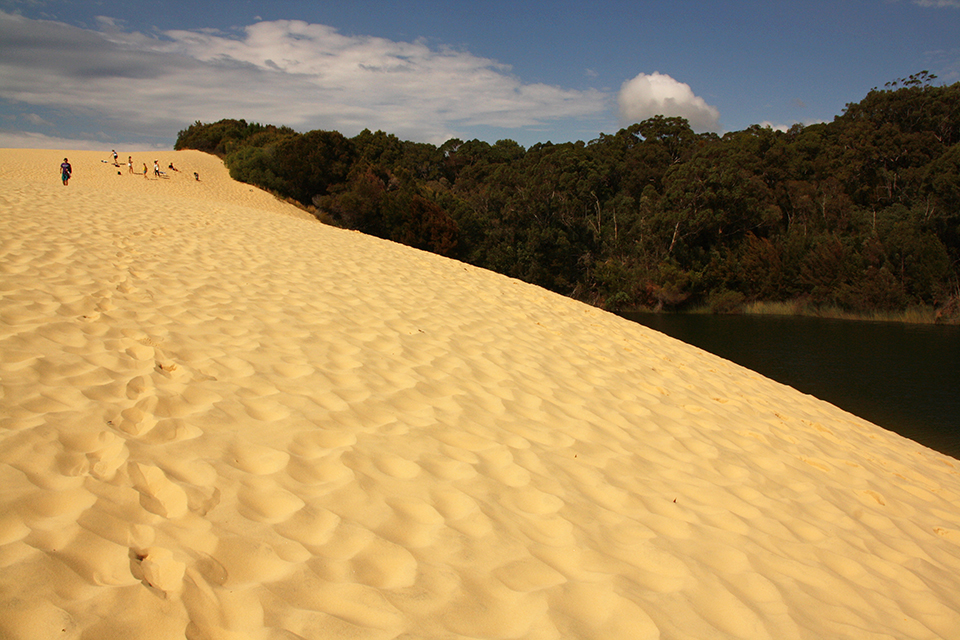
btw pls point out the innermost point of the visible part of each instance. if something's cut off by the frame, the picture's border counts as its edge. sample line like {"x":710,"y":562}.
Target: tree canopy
{"x":861,"y":213}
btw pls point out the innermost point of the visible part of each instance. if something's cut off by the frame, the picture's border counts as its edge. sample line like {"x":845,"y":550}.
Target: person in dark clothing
{"x":65,"y":171}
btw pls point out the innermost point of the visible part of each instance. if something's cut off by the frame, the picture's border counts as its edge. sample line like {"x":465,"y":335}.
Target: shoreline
{"x":922,"y":315}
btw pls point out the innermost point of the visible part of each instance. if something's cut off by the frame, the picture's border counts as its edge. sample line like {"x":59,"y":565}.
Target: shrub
{"x":726,"y":301}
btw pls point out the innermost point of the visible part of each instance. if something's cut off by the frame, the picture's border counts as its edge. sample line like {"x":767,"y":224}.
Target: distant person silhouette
{"x":65,"y":171}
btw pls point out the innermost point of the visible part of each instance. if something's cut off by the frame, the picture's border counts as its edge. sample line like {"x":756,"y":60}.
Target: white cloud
{"x":307,"y":76}
{"x":658,"y":94}
{"x":938,"y":3}
{"x":766,"y":124}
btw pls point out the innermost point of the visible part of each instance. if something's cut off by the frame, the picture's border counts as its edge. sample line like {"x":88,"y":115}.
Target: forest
{"x":860,"y":214}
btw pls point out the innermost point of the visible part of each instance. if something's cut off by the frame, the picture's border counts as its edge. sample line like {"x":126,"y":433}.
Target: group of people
{"x":66,"y":170}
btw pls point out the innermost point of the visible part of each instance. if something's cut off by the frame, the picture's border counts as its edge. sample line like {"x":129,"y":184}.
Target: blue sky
{"x":131,"y":74}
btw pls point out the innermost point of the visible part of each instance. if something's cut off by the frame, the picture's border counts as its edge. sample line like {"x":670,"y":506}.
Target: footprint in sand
{"x":158,"y":494}
{"x":136,"y":387}
{"x":156,"y":567}
{"x":126,"y":287}
{"x":139,"y":419}
{"x":139,"y":351}
{"x":105,"y":462}
{"x":169,"y":369}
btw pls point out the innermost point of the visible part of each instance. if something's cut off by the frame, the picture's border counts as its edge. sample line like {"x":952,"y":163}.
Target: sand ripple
{"x":219,"y":419}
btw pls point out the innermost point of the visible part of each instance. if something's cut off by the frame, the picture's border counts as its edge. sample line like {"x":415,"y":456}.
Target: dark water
{"x":905,"y":378}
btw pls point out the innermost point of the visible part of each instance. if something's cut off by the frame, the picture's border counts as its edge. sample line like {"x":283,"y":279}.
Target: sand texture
{"x":223,"y":420}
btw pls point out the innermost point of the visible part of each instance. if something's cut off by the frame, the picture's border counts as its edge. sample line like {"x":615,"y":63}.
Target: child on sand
{"x":130,"y":163}
{"x":65,"y":171}
{"x":144,"y":170}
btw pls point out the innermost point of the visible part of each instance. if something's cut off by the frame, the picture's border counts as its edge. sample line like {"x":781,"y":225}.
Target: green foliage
{"x":311,"y":163}
{"x":220,"y":138}
{"x":862,"y":213}
{"x":255,"y":165}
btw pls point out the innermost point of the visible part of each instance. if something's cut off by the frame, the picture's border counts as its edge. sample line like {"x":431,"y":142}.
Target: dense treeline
{"x":862,"y":213}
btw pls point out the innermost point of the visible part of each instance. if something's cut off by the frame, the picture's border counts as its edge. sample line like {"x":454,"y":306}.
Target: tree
{"x":712,"y":200}
{"x":428,"y":227}
{"x":311,"y":163}
{"x":862,"y":212}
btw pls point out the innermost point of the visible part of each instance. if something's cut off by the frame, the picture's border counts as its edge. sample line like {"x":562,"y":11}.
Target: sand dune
{"x":221,"y":419}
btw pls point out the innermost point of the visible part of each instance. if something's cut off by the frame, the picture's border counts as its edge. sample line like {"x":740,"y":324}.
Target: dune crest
{"x":221,"y":419}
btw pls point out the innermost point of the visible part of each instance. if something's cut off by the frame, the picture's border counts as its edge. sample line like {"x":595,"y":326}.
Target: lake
{"x":904,"y":378}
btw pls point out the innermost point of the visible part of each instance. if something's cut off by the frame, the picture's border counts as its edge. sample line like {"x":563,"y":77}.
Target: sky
{"x":104,"y":74}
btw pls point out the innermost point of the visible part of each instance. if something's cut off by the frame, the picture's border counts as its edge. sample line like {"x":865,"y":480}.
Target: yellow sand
{"x":221,"y":419}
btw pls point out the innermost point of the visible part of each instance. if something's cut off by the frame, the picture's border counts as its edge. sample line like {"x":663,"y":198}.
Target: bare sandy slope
{"x":219,"y":421}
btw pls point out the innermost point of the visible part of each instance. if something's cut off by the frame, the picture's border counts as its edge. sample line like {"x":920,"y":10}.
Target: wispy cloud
{"x":37,"y":120}
{"x":938,"y":3}
{"x":649,"y":95}
{"x":307,"y":76}
{"x":10,"y":139}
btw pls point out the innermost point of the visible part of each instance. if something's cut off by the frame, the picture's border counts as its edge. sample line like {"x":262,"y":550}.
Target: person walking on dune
{"x":65,"y":171}
{"x":130,"y":164}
